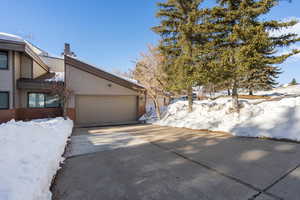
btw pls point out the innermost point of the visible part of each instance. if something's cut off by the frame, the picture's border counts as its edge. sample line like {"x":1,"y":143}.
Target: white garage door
{"x":97,"y":110}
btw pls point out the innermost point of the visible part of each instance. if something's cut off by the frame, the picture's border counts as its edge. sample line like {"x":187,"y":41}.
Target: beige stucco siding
{"x":54,"y":64}
{"x":17,"y":62}
{"x":38,"y":70}
{"x":26,"y":66}
{"x":6,"y":78}
{"x":84,"y":83}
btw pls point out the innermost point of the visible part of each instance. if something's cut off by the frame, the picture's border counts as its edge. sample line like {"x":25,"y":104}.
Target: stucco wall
{"x":84,"y":83}
{"x":38,"y":70}
{"x":17,"y":63}
{"x":54,"y":64}
{"x":6,"y":78}
{"x":26,"y":66}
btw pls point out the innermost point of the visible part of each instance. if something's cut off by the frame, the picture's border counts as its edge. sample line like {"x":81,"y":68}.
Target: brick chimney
{"x":67,"y":50}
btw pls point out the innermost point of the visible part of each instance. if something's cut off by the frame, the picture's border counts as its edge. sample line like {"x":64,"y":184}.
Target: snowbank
{"x":272,"y":119}
{"x":30,"y":154}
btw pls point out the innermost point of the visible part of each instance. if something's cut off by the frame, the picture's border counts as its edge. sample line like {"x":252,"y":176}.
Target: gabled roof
{"x":102,"y":74}
{"x":17,"y":43}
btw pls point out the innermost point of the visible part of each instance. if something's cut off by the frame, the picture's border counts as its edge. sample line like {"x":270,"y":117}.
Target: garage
{"x":97,"y":110}
{"x":101,"y":98}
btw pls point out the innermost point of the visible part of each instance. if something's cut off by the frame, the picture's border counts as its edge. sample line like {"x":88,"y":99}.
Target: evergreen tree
{"x":293,"y":82}
{"x":182,"y":44}
{"x":262,"y":79}
{"x":247,"y":47}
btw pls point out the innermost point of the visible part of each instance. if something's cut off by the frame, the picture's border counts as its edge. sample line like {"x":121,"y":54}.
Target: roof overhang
{"x":31,"y":84}
{"x":102,"y":74}
{"x":22,"y":47}
{"x":12,"y":45}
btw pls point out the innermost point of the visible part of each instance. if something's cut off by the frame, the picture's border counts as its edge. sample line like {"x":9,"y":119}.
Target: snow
{"x":286,"y":90}
{"x":275,"y":118}
{"x":30,"y":155}
{"x":58,"y":77}
{"x":11,"y":37}
{"x":16,"y":38}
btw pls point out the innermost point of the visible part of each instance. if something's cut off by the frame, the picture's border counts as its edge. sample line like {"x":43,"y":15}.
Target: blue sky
{"x":109,"y":34}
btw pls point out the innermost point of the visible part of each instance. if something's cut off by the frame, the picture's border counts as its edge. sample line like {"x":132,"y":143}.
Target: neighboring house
{"x":27,"y":74}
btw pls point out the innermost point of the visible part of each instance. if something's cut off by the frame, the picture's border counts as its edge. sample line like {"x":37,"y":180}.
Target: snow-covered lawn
{"x":30,"y":154}
{"x":258,"y":118}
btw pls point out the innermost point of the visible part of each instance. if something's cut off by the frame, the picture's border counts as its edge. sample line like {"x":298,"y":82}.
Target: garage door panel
{"x":105,"y":109}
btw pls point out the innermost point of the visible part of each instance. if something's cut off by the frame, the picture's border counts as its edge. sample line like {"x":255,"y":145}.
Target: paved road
{"x":148,"y":162}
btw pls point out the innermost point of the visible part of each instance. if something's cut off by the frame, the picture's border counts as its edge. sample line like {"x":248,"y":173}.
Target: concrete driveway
{"x":147,"y":162}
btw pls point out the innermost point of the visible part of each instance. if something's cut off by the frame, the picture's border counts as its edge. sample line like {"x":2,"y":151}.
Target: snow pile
{"x":30,"y":154}
{"x":151,"y":115}
{"x":58,"y":77}
{"x":273,"y":119}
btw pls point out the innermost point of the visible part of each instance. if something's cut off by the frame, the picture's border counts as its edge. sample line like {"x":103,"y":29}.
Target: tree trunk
{"x":235,"y":97}
{"x":190,"y":99}
{"x":65,"y":110}
{"x":251,"y":92}
{"x":157,"y":108}
{"x":228,"y":92}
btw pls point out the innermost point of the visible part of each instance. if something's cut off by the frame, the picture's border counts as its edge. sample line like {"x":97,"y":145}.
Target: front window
{"x":3,"y":60}
{"x":43,"y":100}
{"x":52,"y":101}
{"x":4,"y":100}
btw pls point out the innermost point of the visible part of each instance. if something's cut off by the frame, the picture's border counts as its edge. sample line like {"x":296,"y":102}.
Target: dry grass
{"x":247,"y":97}
{"x":254,"y":97}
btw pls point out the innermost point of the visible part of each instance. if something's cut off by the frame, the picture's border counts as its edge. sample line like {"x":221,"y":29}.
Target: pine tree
{"x":262,"y":79}
{"x":293,"y":82}
{"x":183,"y":43}
{"x":247,"y":46}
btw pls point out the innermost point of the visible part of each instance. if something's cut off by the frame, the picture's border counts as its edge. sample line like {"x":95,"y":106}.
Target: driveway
{"x":147,"y":162}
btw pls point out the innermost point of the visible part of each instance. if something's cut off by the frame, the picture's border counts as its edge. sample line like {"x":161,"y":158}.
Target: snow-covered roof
{"x":127,"y":79}
{"x":11,"y":37}
{"x":16,"y":38}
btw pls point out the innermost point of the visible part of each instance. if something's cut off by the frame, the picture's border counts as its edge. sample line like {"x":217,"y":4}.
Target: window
{"x":43,"y":100}
{"x":3,"y":60}
{"x":4,"y":100}
{"x":52,"y":101}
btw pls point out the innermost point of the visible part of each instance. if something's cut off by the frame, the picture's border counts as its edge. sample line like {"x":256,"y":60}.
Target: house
{"x":27,"y":76}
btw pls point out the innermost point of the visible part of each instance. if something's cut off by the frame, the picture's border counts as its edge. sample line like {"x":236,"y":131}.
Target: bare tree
{"x":149,"y":72}
{"x":64,"y":96}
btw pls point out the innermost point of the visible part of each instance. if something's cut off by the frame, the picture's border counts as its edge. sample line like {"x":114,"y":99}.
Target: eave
{"x":32,"y":84}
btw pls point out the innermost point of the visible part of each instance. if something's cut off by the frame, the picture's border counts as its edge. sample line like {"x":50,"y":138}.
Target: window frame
{"x":45,"y":100}
{"x":7,"y":65}
{"x":8,"y":100}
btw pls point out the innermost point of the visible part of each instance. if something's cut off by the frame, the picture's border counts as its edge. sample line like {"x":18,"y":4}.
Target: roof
{"x":11,"y":37}
{"x":102,"y":74}
{"x":17,"y":43}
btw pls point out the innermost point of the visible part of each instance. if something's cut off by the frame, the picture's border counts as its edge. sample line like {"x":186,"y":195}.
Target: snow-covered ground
{"x":278,"y":118}
{"x":30,"y":155}
{"x":292,"y":90}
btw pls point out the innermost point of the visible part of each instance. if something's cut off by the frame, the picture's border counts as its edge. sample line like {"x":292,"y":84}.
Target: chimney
{"x":67,"y":50}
